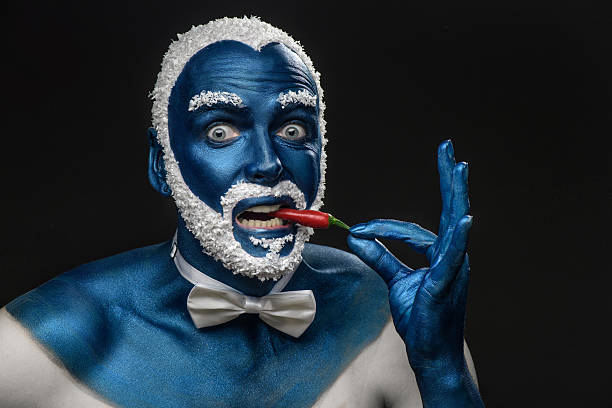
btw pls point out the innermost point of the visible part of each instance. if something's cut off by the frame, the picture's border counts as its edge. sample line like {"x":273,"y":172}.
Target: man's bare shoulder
{"x":126,"y":267}
{"x":381,"y":373}
{"x":338,"y":276}
{"x":71,"y":315}
{"x":83,"y":296}
{"x":72,"y":311}
{"x":379,"y":376}
{"x":329,"y":260}
{"x":119,"y":271}
{"x":30,"y":376}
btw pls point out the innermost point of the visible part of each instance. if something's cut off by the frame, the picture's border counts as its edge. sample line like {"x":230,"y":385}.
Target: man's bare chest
{"x":139,"y":348}
{"x":51,"y":385}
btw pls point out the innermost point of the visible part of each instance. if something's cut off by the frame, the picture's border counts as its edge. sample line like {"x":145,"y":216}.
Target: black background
{"x":523,"y":90}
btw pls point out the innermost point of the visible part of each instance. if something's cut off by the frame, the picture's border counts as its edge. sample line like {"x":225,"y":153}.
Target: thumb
{"x":376,"y":256}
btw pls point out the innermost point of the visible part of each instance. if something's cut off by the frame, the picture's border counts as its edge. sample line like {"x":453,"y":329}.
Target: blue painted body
{"x":120,"y":325}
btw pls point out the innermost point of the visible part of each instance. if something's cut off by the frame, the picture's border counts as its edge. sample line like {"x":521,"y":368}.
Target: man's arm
{"x":392,"y":374}
{"x":31,"y":377}
{"x":428,"y":305}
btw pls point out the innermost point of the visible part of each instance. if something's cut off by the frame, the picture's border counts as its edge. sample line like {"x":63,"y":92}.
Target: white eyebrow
{"x":210,"y":98}
{"x":302,"y":96}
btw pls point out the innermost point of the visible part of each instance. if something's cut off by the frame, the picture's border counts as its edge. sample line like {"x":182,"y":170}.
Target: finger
{"x":446,"y":163}
{"x":459,"y":207}
{"x":444,"y":271}
{"x":417,"y":237}
{"x":376,"y":256}
{"x":460,"y":203}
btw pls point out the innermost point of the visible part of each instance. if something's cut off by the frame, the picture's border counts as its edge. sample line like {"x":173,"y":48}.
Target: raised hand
{"x":428,"y":305}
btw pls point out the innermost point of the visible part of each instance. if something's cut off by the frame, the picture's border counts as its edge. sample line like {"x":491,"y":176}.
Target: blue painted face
{"x":257,"y":142}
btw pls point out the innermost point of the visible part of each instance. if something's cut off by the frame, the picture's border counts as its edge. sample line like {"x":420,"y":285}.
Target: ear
{"x":157,"y":170}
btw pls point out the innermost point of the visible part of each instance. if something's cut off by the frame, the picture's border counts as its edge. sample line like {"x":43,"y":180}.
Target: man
{"x":237,"y":310}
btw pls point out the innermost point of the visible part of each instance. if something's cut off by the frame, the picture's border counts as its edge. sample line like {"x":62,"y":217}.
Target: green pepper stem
{"x":334,"y":221}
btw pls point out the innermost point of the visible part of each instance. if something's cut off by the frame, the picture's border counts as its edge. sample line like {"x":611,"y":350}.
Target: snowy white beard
{"x":215,"y":233}
{"x":211,"y":229}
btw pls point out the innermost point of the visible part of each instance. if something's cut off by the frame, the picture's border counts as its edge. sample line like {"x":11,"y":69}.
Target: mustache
{"x":241,"y":191}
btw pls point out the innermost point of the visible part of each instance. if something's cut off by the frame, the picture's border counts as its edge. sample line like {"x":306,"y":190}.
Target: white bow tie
{"x":211,"y":302}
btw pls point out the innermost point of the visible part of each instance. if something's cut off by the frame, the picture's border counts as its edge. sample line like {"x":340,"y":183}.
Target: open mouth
{"x":258,"y":217}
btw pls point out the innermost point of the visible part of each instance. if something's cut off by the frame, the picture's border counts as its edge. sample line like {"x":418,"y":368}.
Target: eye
{"x":222,"y":133}
{"x":292,"y":131}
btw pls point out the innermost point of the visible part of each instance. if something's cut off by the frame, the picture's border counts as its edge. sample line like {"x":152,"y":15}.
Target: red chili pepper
{"x":309,"y":218}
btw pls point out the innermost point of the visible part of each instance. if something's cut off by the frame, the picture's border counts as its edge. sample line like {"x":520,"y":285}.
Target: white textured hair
{"x":247,"y":30}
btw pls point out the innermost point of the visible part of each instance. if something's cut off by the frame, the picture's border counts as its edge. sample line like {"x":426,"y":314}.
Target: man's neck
{"x":192,"y":252}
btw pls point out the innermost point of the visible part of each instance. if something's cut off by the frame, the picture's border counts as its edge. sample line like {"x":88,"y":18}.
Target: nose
{"x":265,"y":167}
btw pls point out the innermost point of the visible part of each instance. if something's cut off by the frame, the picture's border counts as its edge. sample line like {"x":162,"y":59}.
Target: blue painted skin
{"x":428,"y":305}
{"x":120,"y":325}
{"x":258,"y":156}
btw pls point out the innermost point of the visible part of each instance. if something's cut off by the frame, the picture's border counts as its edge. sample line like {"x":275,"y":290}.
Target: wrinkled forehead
{"x":231,"y":66}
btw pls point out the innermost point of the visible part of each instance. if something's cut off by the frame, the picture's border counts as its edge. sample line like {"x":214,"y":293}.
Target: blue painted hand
{"x":428,"y":304}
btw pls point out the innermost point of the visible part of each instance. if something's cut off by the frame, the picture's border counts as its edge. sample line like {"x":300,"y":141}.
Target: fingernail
{"x":356,"y":229}
{"x":450,"y":150}
{"x":461,"y":168}
{"x":360,"y":232}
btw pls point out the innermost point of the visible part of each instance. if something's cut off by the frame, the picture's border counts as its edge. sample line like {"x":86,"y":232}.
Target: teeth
{"x":264,"y":208}
{"x":274,"y":222}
